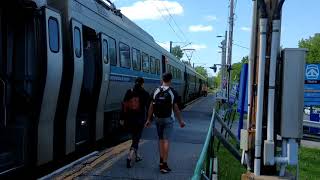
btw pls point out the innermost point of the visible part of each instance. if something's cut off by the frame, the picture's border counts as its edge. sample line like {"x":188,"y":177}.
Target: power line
{"x":178,"y":36}
{"x":175,"y":21}
{"x":240,"y":46}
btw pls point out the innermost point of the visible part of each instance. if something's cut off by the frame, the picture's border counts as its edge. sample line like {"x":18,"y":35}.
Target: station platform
{"x":185,"y":149}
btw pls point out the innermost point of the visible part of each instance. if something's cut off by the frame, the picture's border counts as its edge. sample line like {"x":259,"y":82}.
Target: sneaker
{"x":164,"y":168}
{"x":167,"y":167}
{"x":138,"y":158}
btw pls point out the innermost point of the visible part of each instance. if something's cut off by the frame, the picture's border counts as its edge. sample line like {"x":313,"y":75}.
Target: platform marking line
{"x":90,"y":164}
{"x":193,"y":104}
{"x":115,"y":158}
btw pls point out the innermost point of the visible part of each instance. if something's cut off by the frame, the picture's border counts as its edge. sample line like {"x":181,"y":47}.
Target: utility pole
{"x":170,"y":47}
{"x":223,"y":61}
{"x":230,"y":40}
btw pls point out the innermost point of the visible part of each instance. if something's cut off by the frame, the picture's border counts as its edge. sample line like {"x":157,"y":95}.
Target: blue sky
{"x":201,"y":21}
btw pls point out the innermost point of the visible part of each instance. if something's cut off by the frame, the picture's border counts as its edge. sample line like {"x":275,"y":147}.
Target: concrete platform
{"x":185,"y":149}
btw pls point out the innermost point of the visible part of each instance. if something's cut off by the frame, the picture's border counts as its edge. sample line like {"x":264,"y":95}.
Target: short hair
{"x":166,"y":77}
{"x":139,"y":81}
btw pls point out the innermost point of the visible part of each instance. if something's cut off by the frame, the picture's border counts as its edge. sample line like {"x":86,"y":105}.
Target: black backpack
{"x":163,"y":103}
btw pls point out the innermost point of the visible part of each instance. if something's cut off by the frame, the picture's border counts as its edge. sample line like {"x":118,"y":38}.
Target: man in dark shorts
{"x":164,"y":102}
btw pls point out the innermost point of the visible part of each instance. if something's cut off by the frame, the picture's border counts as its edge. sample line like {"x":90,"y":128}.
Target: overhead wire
{"x":178,"y":36}
{"x":174,"y":21}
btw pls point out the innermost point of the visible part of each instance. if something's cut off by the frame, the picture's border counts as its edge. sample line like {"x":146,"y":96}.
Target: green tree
{"x":177,"y":52}
{"x":313,"y":46}
{"x":236,"y":69}
{"x":201,"y":70}
{"x":245,"y":59}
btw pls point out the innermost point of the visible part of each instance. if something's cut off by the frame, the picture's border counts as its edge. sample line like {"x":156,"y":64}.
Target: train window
{"x":112,"y":51}
{"x":172,"y":72}
{"x":53,"y":28}
{"x":158,"y":66}
{"x":77,"y":42}
{"x":136,"y":59}
{"x":152,"y":65}
{"x":105,"y":51}
{"x":145,"y":62}
{"x":124,"y":52}
{"x":169,"y":68}
{"x":176,"y":73}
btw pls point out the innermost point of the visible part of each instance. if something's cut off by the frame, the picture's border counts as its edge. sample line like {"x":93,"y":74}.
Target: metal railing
{"x":206,"y":167}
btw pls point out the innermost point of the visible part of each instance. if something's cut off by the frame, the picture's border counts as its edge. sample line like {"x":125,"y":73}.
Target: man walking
{"x":164,"y":102}
{"x":135,"y":105}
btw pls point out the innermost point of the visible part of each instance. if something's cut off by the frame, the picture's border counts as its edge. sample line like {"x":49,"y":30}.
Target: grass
{"x":229,"y":168}
{"x":309,"y":164}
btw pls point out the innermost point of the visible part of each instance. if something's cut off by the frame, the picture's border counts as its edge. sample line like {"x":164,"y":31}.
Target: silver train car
{"x":64,"y":67}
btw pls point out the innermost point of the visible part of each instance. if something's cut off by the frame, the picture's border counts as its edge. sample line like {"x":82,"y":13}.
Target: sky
{"x":201,"y":21}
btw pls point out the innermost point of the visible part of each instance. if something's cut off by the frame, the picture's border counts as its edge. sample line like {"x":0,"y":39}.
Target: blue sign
{"x":312,"y":85}
{"x":243,"y":89}
{"x":243,"y":96}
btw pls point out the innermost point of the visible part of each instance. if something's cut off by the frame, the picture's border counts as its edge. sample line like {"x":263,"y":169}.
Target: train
{"x":64,"y":67}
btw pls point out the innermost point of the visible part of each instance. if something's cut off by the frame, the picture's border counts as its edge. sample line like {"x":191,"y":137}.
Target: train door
{"x":164,"y":62}
{"x":87,"y":107}
{"x":76,"y":81}
{"x":104,"y":57}
{"x":52,"y":77}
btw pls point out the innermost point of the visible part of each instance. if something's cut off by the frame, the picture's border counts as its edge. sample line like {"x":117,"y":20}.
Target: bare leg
{"x":165,"y":146}
{"x":161,"y":150}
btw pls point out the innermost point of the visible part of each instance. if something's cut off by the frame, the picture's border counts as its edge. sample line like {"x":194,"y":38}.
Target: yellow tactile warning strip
{"x":106,"y":158}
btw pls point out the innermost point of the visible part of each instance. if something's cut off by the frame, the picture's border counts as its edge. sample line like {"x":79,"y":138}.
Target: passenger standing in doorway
{"x":135,"y":105}
{"x":164,"y":102}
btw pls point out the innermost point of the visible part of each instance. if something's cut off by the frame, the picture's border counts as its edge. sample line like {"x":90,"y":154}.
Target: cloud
{"x":152,"y":9}
{"x":197,"y":46}
{"x":200,"y":28}
{"x":165,"y":45}
{"x":210,"y":18}
{"x":247,"y":29}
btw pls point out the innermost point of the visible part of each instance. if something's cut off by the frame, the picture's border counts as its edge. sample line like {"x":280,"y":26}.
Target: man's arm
{"x":178,"y":115}
{"x":150,"y":113}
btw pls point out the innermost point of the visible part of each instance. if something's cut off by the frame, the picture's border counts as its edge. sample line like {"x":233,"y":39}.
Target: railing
{"x":206,"y":167}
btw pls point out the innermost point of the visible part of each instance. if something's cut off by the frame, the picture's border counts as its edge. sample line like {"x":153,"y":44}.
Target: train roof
{"x":109,"y":11}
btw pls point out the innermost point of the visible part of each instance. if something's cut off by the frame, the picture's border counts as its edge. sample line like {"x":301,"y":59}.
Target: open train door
{"x":53,"y":75}
{"x":104,"y":86}
{"x":77,"y":54}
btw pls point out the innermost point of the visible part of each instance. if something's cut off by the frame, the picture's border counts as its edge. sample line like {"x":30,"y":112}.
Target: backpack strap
{"x":156,"y":91}
{"x":171,"y":94}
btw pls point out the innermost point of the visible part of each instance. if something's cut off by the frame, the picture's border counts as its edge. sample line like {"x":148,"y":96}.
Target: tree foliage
{"x":235,"y":72}
{"x":236,"y":69}
{"x":177,"y":52}
{"x":201,"y":70}
{"x":313,"y":46}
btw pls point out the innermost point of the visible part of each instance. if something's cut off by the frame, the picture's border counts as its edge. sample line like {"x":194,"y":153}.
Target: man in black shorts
{"x":164,"y":102}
